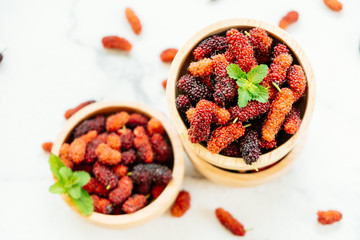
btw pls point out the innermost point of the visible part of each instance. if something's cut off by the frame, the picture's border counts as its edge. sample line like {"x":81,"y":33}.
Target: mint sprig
{"x":249,"y":83}
{"x":71,"y":183}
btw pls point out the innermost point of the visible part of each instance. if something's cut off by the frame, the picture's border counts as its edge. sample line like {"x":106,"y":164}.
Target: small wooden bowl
{"x":167,"y":197}
{"x":179,"y":68}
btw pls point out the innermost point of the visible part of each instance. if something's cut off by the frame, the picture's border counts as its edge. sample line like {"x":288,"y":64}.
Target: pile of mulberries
{"x":207,"y":96}
{"x":128,"y":156}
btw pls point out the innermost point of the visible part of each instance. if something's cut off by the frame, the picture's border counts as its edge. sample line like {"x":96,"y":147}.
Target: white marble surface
{"x":55,"y":60}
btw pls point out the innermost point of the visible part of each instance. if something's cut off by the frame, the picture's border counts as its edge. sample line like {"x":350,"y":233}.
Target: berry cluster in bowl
{"x":241,"y":93}
{"x":128,"y":156}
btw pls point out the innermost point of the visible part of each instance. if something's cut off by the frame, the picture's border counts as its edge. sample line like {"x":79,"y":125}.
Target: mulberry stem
{"x":248,"y":34}
{"x":235,"y":120}
{"x":247,"y":125}
{"x":253,"y":164}
{"x":129,"y":174}
{"x":276,"y":86}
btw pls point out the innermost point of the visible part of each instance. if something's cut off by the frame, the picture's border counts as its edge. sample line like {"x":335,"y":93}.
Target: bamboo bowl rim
{"x":232,"y":162}
{"x":167,"y":197}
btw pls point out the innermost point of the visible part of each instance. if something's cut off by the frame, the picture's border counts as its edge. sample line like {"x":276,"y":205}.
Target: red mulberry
{"x":209,"y":45}
{"x":329,"y":217}
{"x":157,"y":190}
{"x":133,"y":20}
{"x":143,"y":188}
{"x":102,"y":205}
{"x":261,"y":43}
{"x":97,"y":123}
{"x":190,"y":113}
{"x":47,"y":146}
{"x":220,"y":115}
{"x":122,"y":192}
{"x":288,"y":19}
{"x":200,"y":123}
{"x":64,"y":155}
{"x":168,"y":55}
{"x":77,"y":150}
{"x":250,"y":147}
{"x":280,"y":49}
{"x":181,"y":205}
{"x":151,"y":173}
{"x":225,"y":91}
{"x":72,"y":111}
{"x":252,"y":110}
{"x":120,"y":170}
{"x":228,"y":221}
{"x":297,"y":81}
{"x":202,"y":68}
{"x":292,"y":121}
{"x":134,"y":203}
{"x":162,"y":150}
{"x":90,"y":136}
{"x":136,"y":119}
{"x":116,"y":121}
{"x":223,"y":136}
{"x":114,"y":141}
{"x":220,"y":65}
{"x":107,"y":155}
{"x":95,"y":187}
{"x":193,"y":88}
{"x":182,"y":103}
{"x":279,"y":108}
{"x":232,"y":150}
{"x":142,"y":144}
{"x":128,"y":157}
{"x":106,"y":177}
{"x":90,"y":155}
{"x":127,"y":139}
{"x":267,"y":145}
{"x":155,"y":126}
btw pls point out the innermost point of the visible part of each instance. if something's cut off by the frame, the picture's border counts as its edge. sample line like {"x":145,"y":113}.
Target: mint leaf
{"x":242,"y":82}
{"x":57,"y":188}
{"x":75,"y":192}
{"x":82,"y":178}
{"x":258,"y":73}
{"x":244,"y":97}
{"x":252,"y":88}
{"x":55,"y":165}
{"x":65,"y":173}
{"x":262,"y":94}
{"x":84,"y":203}
{"x":235,"y":72}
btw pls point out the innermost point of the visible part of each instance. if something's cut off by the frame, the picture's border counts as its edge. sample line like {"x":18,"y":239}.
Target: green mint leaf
{"x":252,"y":88}
{"x":242,"y":82}
{"x":75,"y":192}
{"x":82,"y":178}
{"x":84,"y":203}
{"x":55,"y":165}
{"x":57,"y":188}
{"x":258,"y":73}
{"x":235,"y":72}
{"x":244,"y":97}
{"x":65,"y":173}
{"x":262,"y":94}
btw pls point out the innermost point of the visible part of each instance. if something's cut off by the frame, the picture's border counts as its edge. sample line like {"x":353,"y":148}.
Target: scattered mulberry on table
{"x":134,"y":203}
{"x":115,"y":42}
{"x":77,"y":150}
{"x":116,"y":121}
{"x":157,"y":190}
{"x":151,"y":172}
{"x":334,"y":5}
{"x":225,"y":91}
{"x":201,"y":68}
{"x":201,"y":122}
{"x":64,"y":155}
{"x":120,"y":170}
{"x":127,"y":138}
{"x":168,"y":55}
{"x":232,"y":150}
{"x":123,"y":190}
{"x":292,"y":121}
{"x":102,"y":205}
{"x":279,"y":108}
{"x":136,"y":119}
{"x":47,"y":146}
{"x":261,"y":43}
{"x":142,"y":144}
{"x":210,"y":45}
{"x":288,"y":19}
{"x":162,"y":151}
{"x":182,"y":103}
{"x":297,"y":81}
{"x":267,"y":145}
{"x":222,"y":136}
{"x":252,"y":110}
{"x":114,"y":141}
{"x":133,"y":20}
{"x":128,"y":157}
{"x":72,"y":111}
{"x":90,"y":136}
{"x":329,"y":217}
{"x":105,"y":176}
{"x":164,"y":83}
{"x":228,"y":221}
{"x":220,"y":65}
{"x":95,"y":187}
{"x":193,"y":88}
{"x":107,"y":155}
{"x":155,"y":126}
{"x":97,"y":123}
{"x":280,"y":49}
{"x":181,"y":205}
{"x":250,"y":147}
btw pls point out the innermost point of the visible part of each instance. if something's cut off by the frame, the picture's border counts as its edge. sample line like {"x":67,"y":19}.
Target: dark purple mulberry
{"x":232,"y":150}
{"x":90,"y":155}
{"x":97,"y":123}
{"x":193,"y":88}
{"x":127,"y":138}
{"x":151,"y":172}
{"x":162,"y":150}
{"x":210,"y":45}
{"x":143,"y":188}
{"x":136,"y":119}
{"x":106,"y":177}
{"x":250,"y":111}
{"x":225,"y":91}
{"x":123,"y":190}
{"x":128,"y":157}
{"x":250,"y":147}
{"x":261,"y":43}
{"x":182,"y":103}
{"x":201,"y":122}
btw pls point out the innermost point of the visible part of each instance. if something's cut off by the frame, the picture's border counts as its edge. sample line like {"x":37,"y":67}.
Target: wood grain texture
{"x":183,"y":58}
{"x":168,"y":196}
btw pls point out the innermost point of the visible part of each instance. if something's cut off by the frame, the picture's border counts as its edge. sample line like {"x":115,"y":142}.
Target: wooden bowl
{"x":306,"y":104}
{"x":167,"y":197}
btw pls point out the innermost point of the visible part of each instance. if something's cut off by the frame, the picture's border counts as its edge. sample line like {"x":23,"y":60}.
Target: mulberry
{"x":288,"y":19}
{"x":155,"y":126}
{"x":232,"y":150}
{"x":225,"y":91}
{"x":64,"y":155}
{"x":157,"y":190}
{"x":128,"y":157}
{"x":252,"y":110}
{"x":209,"y":45}
{"x":200,"y":123}
{"x":228,"y":221}
{"x":116,"y":121}
{"x":134,"y":203}
{"x":267,"y":145}
{"x":77,"y":150}
{"x":133,"y":20}
{"x":120,"y":170}
{"x":90,"y":136}
{"x":329,"y":217}
{"x":292,"y":121}
{"x":261,"y":43}
{"x":168,"y":55}
{"x":280,"y":49}
{"x":122,"y":192}
{"x":279,"y":108}
{"x":102,"y":205}
{"x":114,"y":141}
{"x":190,"y":113}
{"x":105,"y":176}
{"x":223,"y":136}
{"x":162,"y":150}
{"x":142,"y":144}
{"x":151,"y":173}
{"x":181,"y":205}
{"x":127,"y":139}
{"x":250,"y":147}
{"x":95,"y":187}
{"x":136,"y":119}
{"x":220,"y":115}
{"x":201,"y":68}
{"x":143,"y":188}
{"x":72,"y":111}
{"x":297,"y":81}
{"x":107,"y":155}
{"x":220,"y":65}
{"x":115,"y":42}
{"x":47,"y":146}
{"x":193,"y":88}
{"x":97,"y":123}
{"x":182,"y":103}
{"x":90,"y":155}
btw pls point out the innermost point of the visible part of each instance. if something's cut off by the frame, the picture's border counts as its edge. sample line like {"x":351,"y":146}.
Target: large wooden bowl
{"x":167,"y":197}
{"x":306,"y":104}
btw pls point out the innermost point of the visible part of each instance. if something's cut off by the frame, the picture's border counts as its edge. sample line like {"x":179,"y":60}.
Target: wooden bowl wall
{"x":306,"y":104}
{"x":165,"y":200}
